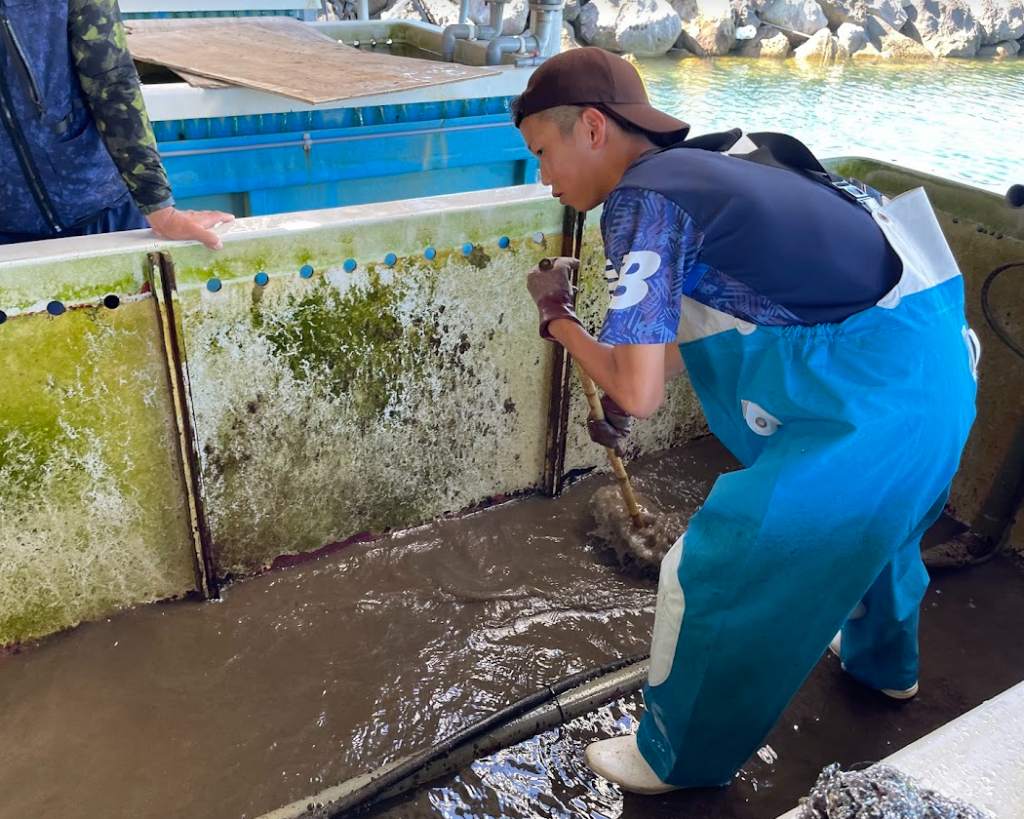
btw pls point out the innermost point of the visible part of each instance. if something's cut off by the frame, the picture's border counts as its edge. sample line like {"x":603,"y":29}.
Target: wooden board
{"x":283,"y":56}
{"x":201,"y":82}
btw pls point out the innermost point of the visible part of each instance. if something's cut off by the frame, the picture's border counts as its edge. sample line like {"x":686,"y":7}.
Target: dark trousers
{"x":122,"y":216}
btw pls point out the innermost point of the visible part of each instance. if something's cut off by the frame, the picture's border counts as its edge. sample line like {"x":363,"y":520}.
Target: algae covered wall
{"x":91,"y":511}
{"x":345,"y":371}
{"x":984,"y":233}
{"x":374,"y":376}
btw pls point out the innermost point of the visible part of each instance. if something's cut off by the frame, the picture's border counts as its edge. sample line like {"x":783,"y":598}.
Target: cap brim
{"x":650,"y":119}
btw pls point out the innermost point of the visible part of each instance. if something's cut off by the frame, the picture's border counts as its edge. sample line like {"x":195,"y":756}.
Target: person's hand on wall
{"x":172,"y":223}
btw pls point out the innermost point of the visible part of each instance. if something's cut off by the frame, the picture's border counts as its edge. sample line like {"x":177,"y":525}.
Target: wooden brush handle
{"x":597,"y":413}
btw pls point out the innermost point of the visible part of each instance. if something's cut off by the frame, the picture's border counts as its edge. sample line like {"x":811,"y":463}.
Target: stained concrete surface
{"x":305,"y":677}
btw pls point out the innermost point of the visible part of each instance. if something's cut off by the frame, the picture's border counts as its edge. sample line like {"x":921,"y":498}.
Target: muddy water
{"x":305,"y":677}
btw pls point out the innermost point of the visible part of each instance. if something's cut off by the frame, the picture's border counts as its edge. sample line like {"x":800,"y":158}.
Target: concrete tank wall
{"x":348,"y":371}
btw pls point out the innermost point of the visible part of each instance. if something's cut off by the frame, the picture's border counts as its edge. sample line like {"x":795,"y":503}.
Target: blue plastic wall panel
{"x":167,"y":15}
{"x":210,"y":128}
{"x":287,"y":162}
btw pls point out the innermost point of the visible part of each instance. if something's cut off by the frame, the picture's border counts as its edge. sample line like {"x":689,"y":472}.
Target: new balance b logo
{"x":628,"y":286}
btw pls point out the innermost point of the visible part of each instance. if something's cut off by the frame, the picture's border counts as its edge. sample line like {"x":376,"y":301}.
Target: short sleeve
{"x":651,"y":245}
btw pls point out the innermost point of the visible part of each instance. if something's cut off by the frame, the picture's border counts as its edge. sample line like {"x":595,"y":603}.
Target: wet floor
{"x":307,"y":676}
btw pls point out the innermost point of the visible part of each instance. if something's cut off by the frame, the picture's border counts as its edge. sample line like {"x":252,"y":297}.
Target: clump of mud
{"x":638,"y":550}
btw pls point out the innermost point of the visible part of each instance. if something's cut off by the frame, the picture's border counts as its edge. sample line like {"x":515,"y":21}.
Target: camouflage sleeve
{"x":111,"y":85}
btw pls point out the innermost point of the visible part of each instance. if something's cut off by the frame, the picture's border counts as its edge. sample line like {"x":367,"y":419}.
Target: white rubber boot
{"x":620,"y":762}
{"x":896,"y":693}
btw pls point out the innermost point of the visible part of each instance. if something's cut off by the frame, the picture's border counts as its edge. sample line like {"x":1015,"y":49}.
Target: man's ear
{"x":595,"y":125}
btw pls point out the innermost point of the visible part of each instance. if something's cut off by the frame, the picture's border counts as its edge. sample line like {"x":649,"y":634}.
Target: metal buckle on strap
{"x":861,"y":196}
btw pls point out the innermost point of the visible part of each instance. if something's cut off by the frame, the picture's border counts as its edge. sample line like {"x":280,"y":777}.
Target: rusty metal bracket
{"x":160,"y":273}
{"x":558,"y":407}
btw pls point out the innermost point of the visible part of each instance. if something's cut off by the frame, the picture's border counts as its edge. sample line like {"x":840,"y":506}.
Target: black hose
{"x":362,"y":797}
{"x":997,"y":328}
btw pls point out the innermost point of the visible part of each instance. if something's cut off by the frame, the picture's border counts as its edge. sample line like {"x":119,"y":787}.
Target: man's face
{"x":568,"y":163}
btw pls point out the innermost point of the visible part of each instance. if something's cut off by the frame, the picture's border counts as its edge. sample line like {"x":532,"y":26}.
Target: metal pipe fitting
{"x":499,"y":46}
{"x":470,"y":31}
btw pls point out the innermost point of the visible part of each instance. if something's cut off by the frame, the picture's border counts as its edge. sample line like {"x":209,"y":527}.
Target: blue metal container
{"x":275,"y":163}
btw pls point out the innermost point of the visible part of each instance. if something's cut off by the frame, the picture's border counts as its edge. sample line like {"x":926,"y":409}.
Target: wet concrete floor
{"x":307,"y":676}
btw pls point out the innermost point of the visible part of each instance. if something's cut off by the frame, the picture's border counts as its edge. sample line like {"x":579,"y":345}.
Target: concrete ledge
{"x":978,"y":757}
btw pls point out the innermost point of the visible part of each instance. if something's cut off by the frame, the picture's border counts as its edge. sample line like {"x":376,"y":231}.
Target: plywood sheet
{"x":283,"y":56}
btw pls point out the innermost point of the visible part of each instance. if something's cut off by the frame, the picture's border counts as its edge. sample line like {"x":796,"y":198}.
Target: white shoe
{"x":620,"y":762}
{"x":894,"y":693}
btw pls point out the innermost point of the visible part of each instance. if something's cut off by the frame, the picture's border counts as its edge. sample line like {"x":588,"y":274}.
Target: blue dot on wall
{"x":350,"y":265}
{"x":391,"y":260}
{"x":503,"y":242}
{"x":55,"y":308}
{"x":467,"y":248}
{"x":213,"y":285}
{"x":429,"y":253}
{"x":262,"y":279}
{"x":307,"y":271}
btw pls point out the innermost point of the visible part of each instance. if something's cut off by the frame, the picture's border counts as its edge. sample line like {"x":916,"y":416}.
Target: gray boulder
{"x":838,"y":12}
{"x":515,"y":20}
{"x":821,"y":49}
{"x":713,"y":29}
{"x":1000,"y":51}
{"x":644,"y":28}
{"x":891,"y":44}
{"x":440,"y":12}
{"x":686,"y":9}
{"x":686,"y":43}
{"x":569,"y":37}
{"x":850,"y":39}
{"x":801,"y":16}
{"x":769,"y":43}
{"x":1000,"y":20}
{"x":745,"y":12}
{"x":857,"y":11}
{"x":889,"y":10}
{"x":571,"y":10}
{"x":405,"y":10}
{"x":947,"y":28}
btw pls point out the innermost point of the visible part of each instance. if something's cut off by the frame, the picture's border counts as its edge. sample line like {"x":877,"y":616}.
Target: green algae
{"x":329,"y":406}
{"x":91,"y":517}
{"x":372,"y":390}
{"x":353,"y":344}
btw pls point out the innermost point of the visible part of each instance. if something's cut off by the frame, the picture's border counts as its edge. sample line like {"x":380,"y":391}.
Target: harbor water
{"x":958,"y":119}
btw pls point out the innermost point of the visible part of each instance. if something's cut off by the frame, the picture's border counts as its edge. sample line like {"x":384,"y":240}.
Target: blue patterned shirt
{"x":653,"y":249}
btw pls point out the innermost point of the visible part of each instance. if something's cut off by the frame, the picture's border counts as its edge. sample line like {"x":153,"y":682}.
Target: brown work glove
{"x":614,"y":429}
{"x":550,"y":285}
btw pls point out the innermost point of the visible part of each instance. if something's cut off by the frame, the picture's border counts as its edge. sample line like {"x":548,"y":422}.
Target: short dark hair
{"x":566,"y":117}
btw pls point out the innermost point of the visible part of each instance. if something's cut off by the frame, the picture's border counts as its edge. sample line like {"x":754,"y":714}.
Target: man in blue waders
{"x":77,"y":151}
{"x":823,"y":331}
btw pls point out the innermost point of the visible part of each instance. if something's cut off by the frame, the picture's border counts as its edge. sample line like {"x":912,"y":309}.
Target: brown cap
{"x":595,"y":78}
